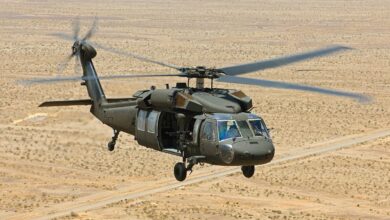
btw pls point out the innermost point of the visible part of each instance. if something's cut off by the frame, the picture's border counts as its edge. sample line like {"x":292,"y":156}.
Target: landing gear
{"x":248,"y":171}
{"x":111,"y":144}
{"x":191,"y":162}
{"x":180,"y":171}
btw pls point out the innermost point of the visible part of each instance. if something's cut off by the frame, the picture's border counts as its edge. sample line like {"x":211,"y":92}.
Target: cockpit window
{"x":244,"y":128}
{"x":208,"y":131}
{"x":228,"y":129}
{"x":258,"y":127}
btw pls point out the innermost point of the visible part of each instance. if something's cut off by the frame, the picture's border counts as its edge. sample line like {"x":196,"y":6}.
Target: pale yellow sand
{"x":56,"y":155}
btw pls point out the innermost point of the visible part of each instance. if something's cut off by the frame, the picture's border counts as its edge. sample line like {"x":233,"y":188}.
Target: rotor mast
{"x":200,"y":83}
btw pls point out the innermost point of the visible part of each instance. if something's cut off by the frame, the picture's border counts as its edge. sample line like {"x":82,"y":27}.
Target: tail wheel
{"x":111,"y":146}
{"x":248,"y":171}
{"x":180,"y":171}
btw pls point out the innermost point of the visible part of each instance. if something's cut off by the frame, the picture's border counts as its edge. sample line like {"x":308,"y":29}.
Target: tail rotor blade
{"x":62,"y":66}
{"x":76,"y":29}
{"x":77,"y":66}
{"x":91,"y":31}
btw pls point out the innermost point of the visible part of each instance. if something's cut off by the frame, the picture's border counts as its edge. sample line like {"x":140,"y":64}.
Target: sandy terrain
{"x":55,"y":156}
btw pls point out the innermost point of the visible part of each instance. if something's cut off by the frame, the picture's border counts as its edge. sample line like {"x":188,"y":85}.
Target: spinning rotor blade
{"x":77,"y":66}
{"x":133,"y":55}
{"x":281,"y":61}
{"x":76,"y":29}
{"x":79,"y":78}
{"x":91,"y":31}
{"x":284,"y":85}
{"x":63,"y":36}
{"x":117,"y":51}
{"x":62,"y":66}
{"x":138,"y":76}
{"x":76,"y":32}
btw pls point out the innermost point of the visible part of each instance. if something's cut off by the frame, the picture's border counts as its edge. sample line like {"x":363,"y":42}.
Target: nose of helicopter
{"x":253,"y":152}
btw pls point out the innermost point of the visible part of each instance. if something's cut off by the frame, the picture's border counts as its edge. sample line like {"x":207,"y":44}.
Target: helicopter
{"x":199,"y":124}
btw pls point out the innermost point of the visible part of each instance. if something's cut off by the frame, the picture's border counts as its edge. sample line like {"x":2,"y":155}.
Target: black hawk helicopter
{"x":199,"y":124}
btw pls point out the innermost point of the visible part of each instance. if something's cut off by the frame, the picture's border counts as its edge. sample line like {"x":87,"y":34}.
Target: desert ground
{"x":53,"y":157}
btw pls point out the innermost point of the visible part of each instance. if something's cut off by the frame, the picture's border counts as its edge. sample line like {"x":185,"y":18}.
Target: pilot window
{"x":141,"y":120}
{"x":258,"y":127}
{"x":228,"y":129}
{"x":244,"y":128}
{"x":208,"y":131}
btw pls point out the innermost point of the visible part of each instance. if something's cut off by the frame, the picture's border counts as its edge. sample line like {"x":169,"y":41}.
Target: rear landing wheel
{"x":248,"y":171}
{"x":111,"y":145}
{"x":180,"y":171}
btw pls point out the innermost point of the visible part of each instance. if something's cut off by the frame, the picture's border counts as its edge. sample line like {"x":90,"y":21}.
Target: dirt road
{"x":102,"y":199}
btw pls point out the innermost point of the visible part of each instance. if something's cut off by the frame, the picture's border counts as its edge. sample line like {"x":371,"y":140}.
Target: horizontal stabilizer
{"x":66,"y":103}
{"x":113,"y":100}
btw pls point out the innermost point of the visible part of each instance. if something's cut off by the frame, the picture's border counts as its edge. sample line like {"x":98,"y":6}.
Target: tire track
{"x":105,"y":198}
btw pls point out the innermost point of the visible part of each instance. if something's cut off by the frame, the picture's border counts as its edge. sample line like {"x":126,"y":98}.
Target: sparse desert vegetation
{"x":55,"y":156}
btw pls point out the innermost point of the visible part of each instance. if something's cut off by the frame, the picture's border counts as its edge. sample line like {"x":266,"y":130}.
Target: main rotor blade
{"x":280,"y":61}
{"x":79,"y":78}
{"x":139,"y":76}
{"x":117,"y":51}
{"x":284,"y":85}
{"x":91,"y":31}
{"x":133,"y":55}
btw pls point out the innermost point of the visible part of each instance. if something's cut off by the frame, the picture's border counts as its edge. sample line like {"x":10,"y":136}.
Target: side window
{"x":151,"y":123}
{"x":208,"y":131}
{"x":141,"y":120}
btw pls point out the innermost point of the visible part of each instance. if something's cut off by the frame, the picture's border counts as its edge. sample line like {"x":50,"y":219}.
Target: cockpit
{"x":241,"y":138}
{"x":249,"y":127}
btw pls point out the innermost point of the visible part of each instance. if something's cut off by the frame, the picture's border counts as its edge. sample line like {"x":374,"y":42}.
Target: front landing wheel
{"x":180,"y":171}
{"x":248,"y":171}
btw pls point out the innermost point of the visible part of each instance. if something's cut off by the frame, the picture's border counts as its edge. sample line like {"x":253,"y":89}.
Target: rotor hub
{"x":202,"y":72}
{"x":84,"y":48}
{"x":75,"y":47}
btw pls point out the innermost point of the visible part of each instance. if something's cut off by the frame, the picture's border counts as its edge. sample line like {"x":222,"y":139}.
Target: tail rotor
{"x":76,"y":45}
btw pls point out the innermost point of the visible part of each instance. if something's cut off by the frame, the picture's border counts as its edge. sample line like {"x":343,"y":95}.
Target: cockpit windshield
{"x":249,"y":127}
{"x":228,"y":129}
{"x":258,"y":127}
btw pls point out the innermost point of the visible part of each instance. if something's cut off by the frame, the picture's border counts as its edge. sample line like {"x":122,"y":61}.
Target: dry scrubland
{"x":56,"y":155}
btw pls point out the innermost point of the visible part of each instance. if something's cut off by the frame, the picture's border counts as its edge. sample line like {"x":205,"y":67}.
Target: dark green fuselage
{"x":151,"y":116}
{"x":187,"y":122}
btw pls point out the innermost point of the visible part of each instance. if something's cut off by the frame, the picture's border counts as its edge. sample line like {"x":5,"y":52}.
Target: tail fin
{"x":92,"y":82}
